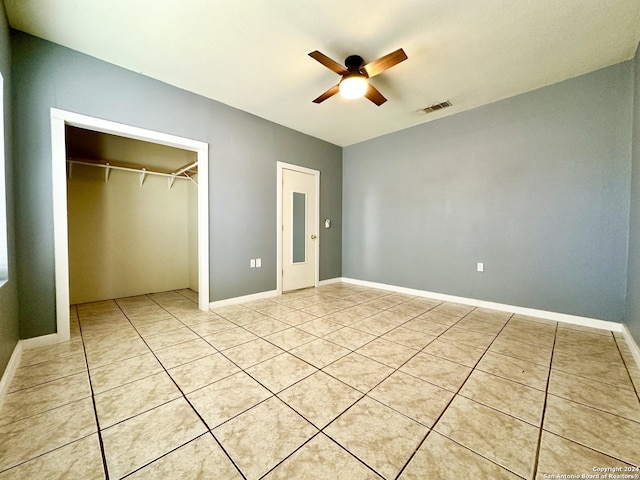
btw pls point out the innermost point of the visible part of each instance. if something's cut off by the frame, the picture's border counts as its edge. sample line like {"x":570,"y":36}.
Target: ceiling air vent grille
{"x":437,"y":106}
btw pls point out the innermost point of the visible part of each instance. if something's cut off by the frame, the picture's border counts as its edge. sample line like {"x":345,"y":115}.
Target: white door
{"x":299,"y":230}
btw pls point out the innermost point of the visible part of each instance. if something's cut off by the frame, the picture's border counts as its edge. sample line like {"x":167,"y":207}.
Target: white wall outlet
{"x":258,"y":262}
{"x":252,"y":263}
{"x":480,"y":267}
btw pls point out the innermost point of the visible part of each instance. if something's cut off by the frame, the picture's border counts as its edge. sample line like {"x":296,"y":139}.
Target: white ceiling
{"x":252,"y":54}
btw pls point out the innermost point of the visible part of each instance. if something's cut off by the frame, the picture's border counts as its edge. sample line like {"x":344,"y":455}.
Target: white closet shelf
{"x":185,"y":172}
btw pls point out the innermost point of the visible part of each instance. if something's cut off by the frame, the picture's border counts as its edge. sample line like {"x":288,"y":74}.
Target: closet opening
{"x":130,"y":213}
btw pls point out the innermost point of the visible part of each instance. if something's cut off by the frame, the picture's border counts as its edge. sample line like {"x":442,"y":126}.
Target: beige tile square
{"x":127,"y":303}
{"x":135,"y":442}
{"x":252,"y":353}
{"x":619,"y":401}
{"x":266,"y":326}
{"x":379,"y":436}
{"x":101,"y":339}
{"x":436,"y":370}
{"x":533,"y":336}
{"x":373,"y":326}
{"x":350,"y":338}
{"x":610,"y":434}
{"x":397,"y":315}
{"x":415,"y":398}
{"x":51,"y":352}
{"x":41,"y":433}
{"x":524,"y":351}
{"x":358,"y":371}
{"x":599,"y":368}
{"x":281,"y":371}
{"x":490,"y":316}
{"x":226,"y":398}
{"x":211,"y":326}
{"x":427,"y":326}
{"x":44,"y":372}
{"x":509,"y":397}
{"x":455,"y":352}
{"x":133,"y":398}
{"x":290,"y":338}
{"x":115,"y":374}
{"x":319,"y":327}
{"x":468,"y":337}
{"x":480,"y":326}
{"x":201,"y":458}
{"x":185,"y":352}
{"x":409,"y":338}
{"x":106,"y":353}
{"x":230,"y":338}
{"x":320,"y":398}
{"x":515,"y":369}
{"x":437,"y":316}
{"x":263,"y":436}
{"x":322,"y":459}
{"x":202,"y":372}
{"x":320,"y":352}
{"x":160,"y":326}
{"x":295,"y":317}
{"x":30,"y":401}
{"x":387,"y":352}
{"x":441,"y":458}
{"x":453,"y":309}
{"x":80,"y":459}
{"x":172,"y":337}
{"x":501,"y":438}
{"x":558,"y":454}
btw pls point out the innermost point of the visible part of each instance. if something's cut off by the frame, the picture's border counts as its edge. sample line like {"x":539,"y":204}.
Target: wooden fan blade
{"x":327,"y":62}
{"x":374,"y":95}
{"x":383,"y":63}
{"x":329,"y":93}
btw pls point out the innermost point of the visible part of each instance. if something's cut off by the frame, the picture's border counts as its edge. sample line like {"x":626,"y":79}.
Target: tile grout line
{"x":624,"y":362}
{"x":183,"y":396}
{"x":544,"y":406}
{"x":93,"y":400}
{"x":453,"y":398}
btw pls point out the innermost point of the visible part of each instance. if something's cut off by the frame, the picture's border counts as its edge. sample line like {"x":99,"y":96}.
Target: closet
{"x":132,"y":216}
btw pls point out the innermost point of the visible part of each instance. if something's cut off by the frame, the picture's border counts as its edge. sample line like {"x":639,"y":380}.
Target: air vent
{"x":437,"y":106}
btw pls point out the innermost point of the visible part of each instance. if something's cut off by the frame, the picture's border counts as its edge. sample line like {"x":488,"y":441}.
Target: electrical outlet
{"x":480,"y":267}
{"x":258,"y":262}
{"x":252,"y":263}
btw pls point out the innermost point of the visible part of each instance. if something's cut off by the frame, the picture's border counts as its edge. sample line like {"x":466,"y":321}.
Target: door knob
{"x":313,"y":237}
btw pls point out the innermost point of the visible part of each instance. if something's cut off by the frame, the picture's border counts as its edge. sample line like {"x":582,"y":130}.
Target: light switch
{"x":252,"y":263}
{"x":480,"y":267}
{"x":258,"y":262}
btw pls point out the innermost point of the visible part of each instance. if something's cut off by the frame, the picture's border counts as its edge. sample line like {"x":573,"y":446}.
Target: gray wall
{"x":9,"y":329}
{"x":244,"y":150}
{"x":535,"y":186}
{"x":632,"y":314}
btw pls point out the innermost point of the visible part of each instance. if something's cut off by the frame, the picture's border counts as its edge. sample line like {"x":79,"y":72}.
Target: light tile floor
{"x":339,"y":382}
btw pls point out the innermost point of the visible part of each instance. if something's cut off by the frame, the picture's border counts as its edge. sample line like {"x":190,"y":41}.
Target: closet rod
{"x":142,"y":171}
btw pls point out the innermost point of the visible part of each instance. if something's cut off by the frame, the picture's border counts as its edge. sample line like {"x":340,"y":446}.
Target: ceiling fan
{"x":355,"y":76}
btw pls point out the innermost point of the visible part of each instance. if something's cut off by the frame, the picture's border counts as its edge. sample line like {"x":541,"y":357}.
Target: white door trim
{"x":60,"y":118}
{"x":289,"y":166}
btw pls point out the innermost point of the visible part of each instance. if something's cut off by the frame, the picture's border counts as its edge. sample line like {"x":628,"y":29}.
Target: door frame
{"x":316,"y":173}
{"x":60,"y":118}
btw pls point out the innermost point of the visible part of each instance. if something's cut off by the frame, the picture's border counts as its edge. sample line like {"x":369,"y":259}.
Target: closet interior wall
{"x":128,"y":238}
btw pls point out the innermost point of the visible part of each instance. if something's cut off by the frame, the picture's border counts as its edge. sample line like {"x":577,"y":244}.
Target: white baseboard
{"x":532,"y":312}
{"x":245,"y":298}
{"x":330,"y":281}
{"x":42,"y":341}
{"x":10,"y":371}
{"x":631,"y":343}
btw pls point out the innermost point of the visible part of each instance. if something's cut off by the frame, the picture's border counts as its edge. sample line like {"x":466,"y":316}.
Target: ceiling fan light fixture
{"x":353,"y":86}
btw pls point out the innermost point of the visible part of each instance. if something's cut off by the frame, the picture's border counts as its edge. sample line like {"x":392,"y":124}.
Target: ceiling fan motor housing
{"x":354,"y":63}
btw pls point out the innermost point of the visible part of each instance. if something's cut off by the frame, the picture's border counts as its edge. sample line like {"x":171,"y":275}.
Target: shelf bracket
{"x":107,"y":173}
